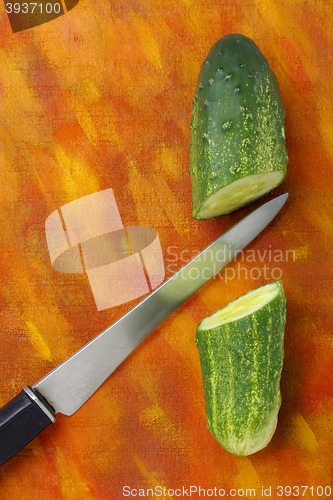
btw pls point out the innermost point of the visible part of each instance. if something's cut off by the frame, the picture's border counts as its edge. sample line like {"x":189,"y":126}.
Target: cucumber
{"x":237,"y":146}
{"x":241,"y":356}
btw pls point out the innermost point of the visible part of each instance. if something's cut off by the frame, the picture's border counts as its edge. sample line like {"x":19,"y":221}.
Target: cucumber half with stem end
{"x":241,"y":356}
{"x":237,"y":147}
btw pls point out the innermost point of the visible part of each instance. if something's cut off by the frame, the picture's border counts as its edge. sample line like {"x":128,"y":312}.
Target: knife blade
{"x":67,"y":387}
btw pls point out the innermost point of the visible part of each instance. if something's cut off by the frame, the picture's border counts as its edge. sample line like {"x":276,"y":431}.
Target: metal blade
{"x":68,"y":386}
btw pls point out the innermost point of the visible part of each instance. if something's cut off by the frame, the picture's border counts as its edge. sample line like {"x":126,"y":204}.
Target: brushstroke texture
{"x":102,"y":98}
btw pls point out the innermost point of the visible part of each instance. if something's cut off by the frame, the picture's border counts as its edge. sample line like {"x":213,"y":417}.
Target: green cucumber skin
{"x":237,"y":128}
{"x":241,"y":377}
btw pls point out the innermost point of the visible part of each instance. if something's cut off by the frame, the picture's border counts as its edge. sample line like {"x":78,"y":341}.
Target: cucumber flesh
{"x":239,"y":193}
{"x":241,"y":307}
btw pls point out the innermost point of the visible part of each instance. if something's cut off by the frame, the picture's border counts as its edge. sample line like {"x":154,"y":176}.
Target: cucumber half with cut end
{"x":241,"y":355}
{"x":237,"y":147}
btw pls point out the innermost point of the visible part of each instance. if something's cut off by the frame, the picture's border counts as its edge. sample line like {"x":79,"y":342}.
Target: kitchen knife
{"x":66,"y":388}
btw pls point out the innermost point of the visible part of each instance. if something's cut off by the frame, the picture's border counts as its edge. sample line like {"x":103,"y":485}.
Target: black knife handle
{"x":21,"y":419}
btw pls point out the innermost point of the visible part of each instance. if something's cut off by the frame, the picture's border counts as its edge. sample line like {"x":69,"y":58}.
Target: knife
{"x":67,"y":387}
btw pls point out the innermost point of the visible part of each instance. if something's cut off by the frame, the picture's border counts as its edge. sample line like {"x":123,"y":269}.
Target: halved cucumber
{"x":237,"y":147}
{"x":241,"y":355}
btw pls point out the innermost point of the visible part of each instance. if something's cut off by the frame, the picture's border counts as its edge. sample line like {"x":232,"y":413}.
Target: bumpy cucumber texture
{"x":237,"y":147}
{"x":241,"y":355}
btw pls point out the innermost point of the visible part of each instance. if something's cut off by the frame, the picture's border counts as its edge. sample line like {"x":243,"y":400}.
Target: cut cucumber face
{"x":237,"y":147}
{"x":241,"y":355}
{"x":239,"y":193}
{"x":244,"y":306}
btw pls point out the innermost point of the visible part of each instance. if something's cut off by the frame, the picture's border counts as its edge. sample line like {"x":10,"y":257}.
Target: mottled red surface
{"x":101,"y":98}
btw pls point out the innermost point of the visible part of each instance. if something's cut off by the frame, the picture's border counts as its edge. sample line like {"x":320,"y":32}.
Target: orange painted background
{"x":102,"y":98}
